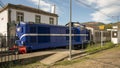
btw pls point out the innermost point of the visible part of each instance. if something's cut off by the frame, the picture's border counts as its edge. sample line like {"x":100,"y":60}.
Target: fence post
{"x":101,"y":38}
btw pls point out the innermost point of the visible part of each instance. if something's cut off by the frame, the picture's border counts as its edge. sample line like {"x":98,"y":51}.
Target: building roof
{"x":27,"y":8}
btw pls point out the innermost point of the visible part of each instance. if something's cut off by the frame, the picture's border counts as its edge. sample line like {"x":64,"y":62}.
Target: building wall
{"x":3,"y":22}
{"x":30,"y":17}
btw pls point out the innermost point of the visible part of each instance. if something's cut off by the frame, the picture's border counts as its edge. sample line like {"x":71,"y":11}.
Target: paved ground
{"x":54,"y":55}
{"x":106,"y":59}
{"x":58,"y":56}
{"x":29,"y":55}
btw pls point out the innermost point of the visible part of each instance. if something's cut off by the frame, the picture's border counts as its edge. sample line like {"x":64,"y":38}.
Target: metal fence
{"x":97,"y":36}
{"x":7,"y":55}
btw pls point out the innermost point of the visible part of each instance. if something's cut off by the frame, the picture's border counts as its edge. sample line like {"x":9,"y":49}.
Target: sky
{"x":107,"y":10}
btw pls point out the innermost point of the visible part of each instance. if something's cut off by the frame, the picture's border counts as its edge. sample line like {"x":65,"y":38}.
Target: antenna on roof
{"x":38,"y":4}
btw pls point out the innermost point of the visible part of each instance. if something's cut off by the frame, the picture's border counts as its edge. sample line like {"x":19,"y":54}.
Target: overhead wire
{"x":1,"y":4}
{"x":94,"y":8}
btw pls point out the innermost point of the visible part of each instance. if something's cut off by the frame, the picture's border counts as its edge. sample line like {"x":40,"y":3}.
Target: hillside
{"x":97,"y":24}
{"x":94,"y":25}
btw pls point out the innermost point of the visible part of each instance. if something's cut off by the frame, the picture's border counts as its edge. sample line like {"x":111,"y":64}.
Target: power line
{"x":1,"y":4}
{"x":93,"y":8}
{"x":116,"y":17}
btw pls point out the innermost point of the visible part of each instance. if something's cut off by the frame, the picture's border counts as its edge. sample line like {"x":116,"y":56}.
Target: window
{"x":20,"y":16}
{"x":37,"y":19}
{"x":51,"y":20}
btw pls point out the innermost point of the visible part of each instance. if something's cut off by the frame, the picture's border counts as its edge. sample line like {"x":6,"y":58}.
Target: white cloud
{"x":99,"y":17}
{"x":43,"y":4}
{"x":107,"y":7}
{"x":46,"y":5}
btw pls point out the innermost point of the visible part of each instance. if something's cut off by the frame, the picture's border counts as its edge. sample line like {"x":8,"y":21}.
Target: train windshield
{"x":16,"y":38}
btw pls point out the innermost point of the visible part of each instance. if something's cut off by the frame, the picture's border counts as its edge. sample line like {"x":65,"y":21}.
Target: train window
{"x":16,"y":38}
{"x":32,"y":29}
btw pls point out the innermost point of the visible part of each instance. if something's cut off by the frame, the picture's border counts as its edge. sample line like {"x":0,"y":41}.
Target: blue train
{"x":31,"y":36}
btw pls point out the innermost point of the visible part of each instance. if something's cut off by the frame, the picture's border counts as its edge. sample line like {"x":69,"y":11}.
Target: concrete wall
{"x":3,"y":22}
{"x":30,"y":17}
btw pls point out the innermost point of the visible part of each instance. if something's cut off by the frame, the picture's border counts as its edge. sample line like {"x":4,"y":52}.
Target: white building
{"x":115,"y":35}
{"x":15,"y":13}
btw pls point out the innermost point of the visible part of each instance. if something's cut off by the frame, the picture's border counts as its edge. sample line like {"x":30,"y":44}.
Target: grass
{"x":98,"y":47}
{"x":67,"y":62}
{"x":90,"y":50}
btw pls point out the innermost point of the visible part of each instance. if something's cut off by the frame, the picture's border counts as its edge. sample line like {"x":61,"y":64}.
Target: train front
{"x":20,"y":42}
{"x":85,"y":34}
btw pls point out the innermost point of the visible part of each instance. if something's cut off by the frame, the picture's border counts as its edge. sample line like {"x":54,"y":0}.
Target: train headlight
{"x":22,"y":42}
{"x":18,"y":29}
